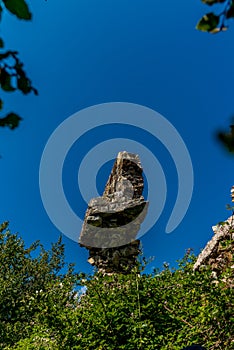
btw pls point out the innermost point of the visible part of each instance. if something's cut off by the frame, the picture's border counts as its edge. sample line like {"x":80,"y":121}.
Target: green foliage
{"x":208,"y":22}
{"x":32,"y":289}
{"x":12,"y":74}
{"x":166,"y":310}
{"x":40,"y":307}
{"x":215,"y":23}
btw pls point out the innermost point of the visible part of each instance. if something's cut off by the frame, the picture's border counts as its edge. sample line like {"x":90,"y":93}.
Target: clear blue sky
{"x":82,"y":53}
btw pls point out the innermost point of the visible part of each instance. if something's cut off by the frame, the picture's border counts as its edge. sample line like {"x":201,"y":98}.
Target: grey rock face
{"x":215,"y":254}
{"x":112,"y":221}
{"x":218,"y":252}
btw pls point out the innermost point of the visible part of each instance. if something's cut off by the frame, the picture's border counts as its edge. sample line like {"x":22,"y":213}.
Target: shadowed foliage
{"x":12,"y":74}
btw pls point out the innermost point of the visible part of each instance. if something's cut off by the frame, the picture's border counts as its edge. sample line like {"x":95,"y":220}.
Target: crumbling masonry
{"x":113,"y":220}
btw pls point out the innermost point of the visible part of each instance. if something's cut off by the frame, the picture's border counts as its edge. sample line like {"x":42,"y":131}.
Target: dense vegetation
{"x":41,"y":305}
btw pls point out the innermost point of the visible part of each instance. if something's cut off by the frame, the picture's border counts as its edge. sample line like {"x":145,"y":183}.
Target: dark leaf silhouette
{"x":12,"y":74}
{"x":212,"y":2}
{"x":230,"y":12}
{"x":19,"y":8}
{"x":227,"y":139}
{"x":11,"y":120}
{"x":5,"y":81}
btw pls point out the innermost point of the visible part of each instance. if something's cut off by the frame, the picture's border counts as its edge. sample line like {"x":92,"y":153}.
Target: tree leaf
{"x":5,"y":81}
{"x":1,"y":43}
{"x":227,"y":139}
{"x":19,"y":8}
{"x":24,"y":84}
{"x":7,"y":54}
{"x":1,"y":104}
{"x":219,"y":29}
{"x":208,"y":22}
{"x":230,"y":12}
{"x":11,"y":120}
{"x":35,"y":91}
{"x":212,"y":2}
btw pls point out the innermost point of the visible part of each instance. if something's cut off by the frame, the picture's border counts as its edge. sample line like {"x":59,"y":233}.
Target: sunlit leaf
{"x":208,"y":22}
{"x":215,"y":31}
{"x":218,"y":30}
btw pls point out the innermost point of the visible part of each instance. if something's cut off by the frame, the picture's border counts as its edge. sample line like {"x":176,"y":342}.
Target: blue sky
{"x":147,"y":53}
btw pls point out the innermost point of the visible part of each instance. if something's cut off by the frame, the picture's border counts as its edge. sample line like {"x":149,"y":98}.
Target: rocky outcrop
{"x":113,"y":220}
{"x":218,"y":252}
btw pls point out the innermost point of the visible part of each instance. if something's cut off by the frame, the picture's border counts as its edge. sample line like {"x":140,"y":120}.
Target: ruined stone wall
{"x":218,"y":253}
{"x":113,"y":220}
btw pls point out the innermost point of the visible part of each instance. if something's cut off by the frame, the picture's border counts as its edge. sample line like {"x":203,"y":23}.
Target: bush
{"x":42,"y":308}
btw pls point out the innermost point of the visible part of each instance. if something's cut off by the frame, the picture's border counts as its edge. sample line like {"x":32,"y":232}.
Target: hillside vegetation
{"x":43,"y":307}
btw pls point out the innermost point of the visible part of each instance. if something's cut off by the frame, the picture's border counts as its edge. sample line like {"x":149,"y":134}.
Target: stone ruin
{"x":113,"y":220}
{"x":218,"y":252}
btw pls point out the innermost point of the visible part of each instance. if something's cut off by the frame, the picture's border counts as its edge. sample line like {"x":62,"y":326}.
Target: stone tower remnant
{"x":113,"y":220}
